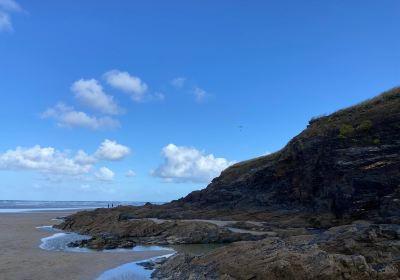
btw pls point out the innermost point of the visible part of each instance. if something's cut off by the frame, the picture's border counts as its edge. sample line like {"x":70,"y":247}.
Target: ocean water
{"x":17,"y":206}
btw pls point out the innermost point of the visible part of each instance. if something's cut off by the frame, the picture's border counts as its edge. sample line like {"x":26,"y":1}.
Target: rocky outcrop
{"x":110,"y":231}
{"x":357,"y":251}
{"x":342,"y":167}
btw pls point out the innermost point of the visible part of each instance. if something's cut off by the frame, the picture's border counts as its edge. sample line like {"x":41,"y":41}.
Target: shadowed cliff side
{"x":346,"y":164}
{"x":342,"y":167}
{"x":341,"y":175}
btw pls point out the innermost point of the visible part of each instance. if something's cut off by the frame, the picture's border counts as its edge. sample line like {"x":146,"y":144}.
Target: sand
{"x":22,"y":259}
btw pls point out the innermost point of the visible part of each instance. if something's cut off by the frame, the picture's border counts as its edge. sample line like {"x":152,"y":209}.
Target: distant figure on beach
{"x":112,"y":205}
{"x":108,"y":205}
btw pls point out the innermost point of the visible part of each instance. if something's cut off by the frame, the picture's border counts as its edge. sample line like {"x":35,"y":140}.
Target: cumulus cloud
{"x":66,"y":116}
{"x":111,"y":150}
{"x":46,"y":159}
{"x":128,"y":83}
{"x":178,"y":82}
{"x":90,"y":93}
{"x":55,"y":163}
{"x":130,"y":173}
{"x":6,"y":8}
{"x":104,"y":174}
{"x":187,"y":164}
{"x":82,"y":157}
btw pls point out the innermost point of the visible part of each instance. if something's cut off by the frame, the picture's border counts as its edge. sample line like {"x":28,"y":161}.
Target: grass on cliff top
{"x":361,"y":116}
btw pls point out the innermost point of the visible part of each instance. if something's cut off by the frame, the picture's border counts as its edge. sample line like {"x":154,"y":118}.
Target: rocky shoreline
{"x":358,"y":251}
{"x":112,"y":233}
{"x":326,"y":206}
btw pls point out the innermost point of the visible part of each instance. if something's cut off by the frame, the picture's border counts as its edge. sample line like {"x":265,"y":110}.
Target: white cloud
{"x":200,"y":94}
{"x":90,"y":93}
{"x":111,"y":150}
{"x":54,"y":164}
{"x":127,"y":83}
{"x":66,"y":116}
{"x":82,"y":157}
{"x":7,"y":7}
{"x":104,"y":174}
{"x":46,"y":159}
{"x":130,"y":173}
{"x":186,"y":164}
{"x":178,"y":82}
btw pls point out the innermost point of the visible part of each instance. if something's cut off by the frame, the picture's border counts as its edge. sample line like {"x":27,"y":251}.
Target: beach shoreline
{"x":21,"y":257}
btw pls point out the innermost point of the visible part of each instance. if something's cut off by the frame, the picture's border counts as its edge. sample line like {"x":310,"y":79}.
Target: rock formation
{"x":309,"y":197}
{"x":358,"y":251}
{"x":109,"y":231}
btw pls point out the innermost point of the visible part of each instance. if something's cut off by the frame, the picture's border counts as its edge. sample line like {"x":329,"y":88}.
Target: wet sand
{"x":22,"y":259}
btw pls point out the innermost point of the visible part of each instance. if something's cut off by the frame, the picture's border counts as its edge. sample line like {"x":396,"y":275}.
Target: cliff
{"x":346,"y":164}
{"x":327,"y":207}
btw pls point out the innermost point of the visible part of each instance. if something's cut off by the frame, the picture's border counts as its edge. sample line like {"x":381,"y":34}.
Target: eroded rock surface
{"x":357,"y":251}
{"x":342,"y":168}
{"x":110,"y":231}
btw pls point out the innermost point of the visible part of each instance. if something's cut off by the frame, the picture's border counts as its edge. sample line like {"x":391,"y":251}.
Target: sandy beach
{"x":22,"y":259}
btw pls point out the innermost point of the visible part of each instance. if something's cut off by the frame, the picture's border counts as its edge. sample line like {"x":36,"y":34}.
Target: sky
{"x":149,"y":100}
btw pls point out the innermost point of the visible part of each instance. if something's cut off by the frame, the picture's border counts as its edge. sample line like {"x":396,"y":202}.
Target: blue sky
{"x":148,"y":100}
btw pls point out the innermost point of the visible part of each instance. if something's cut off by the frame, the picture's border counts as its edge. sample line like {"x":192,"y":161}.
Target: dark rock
{"x":114,"y":233}
{"x":356,"y":251}
{"x":149,"y":265}
{"x":342,"y":168}
{"x":327,"y":175}
{"x":153,"y":264}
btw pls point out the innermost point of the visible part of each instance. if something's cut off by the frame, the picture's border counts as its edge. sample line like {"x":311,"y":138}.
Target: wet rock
{"x":153,"y":264}
{"x":117,"y":233}
{"x":342,"y":168}
{"x":358,"y":251}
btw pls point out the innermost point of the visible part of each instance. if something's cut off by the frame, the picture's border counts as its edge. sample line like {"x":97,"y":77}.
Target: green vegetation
{"x":376,"y":141}
{"x":360,"y":123}
{"x":363,"y":116}
{"x":346,"y":130}
{"x":316,"y":118}
{"x":365,"y":125}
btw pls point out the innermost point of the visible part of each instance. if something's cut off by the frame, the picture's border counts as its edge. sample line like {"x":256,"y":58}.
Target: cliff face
{"x":343,"y":168}
{"x":346,"y":165}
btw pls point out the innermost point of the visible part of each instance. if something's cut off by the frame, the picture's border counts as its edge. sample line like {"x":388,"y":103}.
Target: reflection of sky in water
{"x":142,"y":248}
{"x":59,"y":241}
{"x":129,"y":271}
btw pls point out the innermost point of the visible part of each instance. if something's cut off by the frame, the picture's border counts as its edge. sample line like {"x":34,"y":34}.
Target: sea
{"x":21,"y":206}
